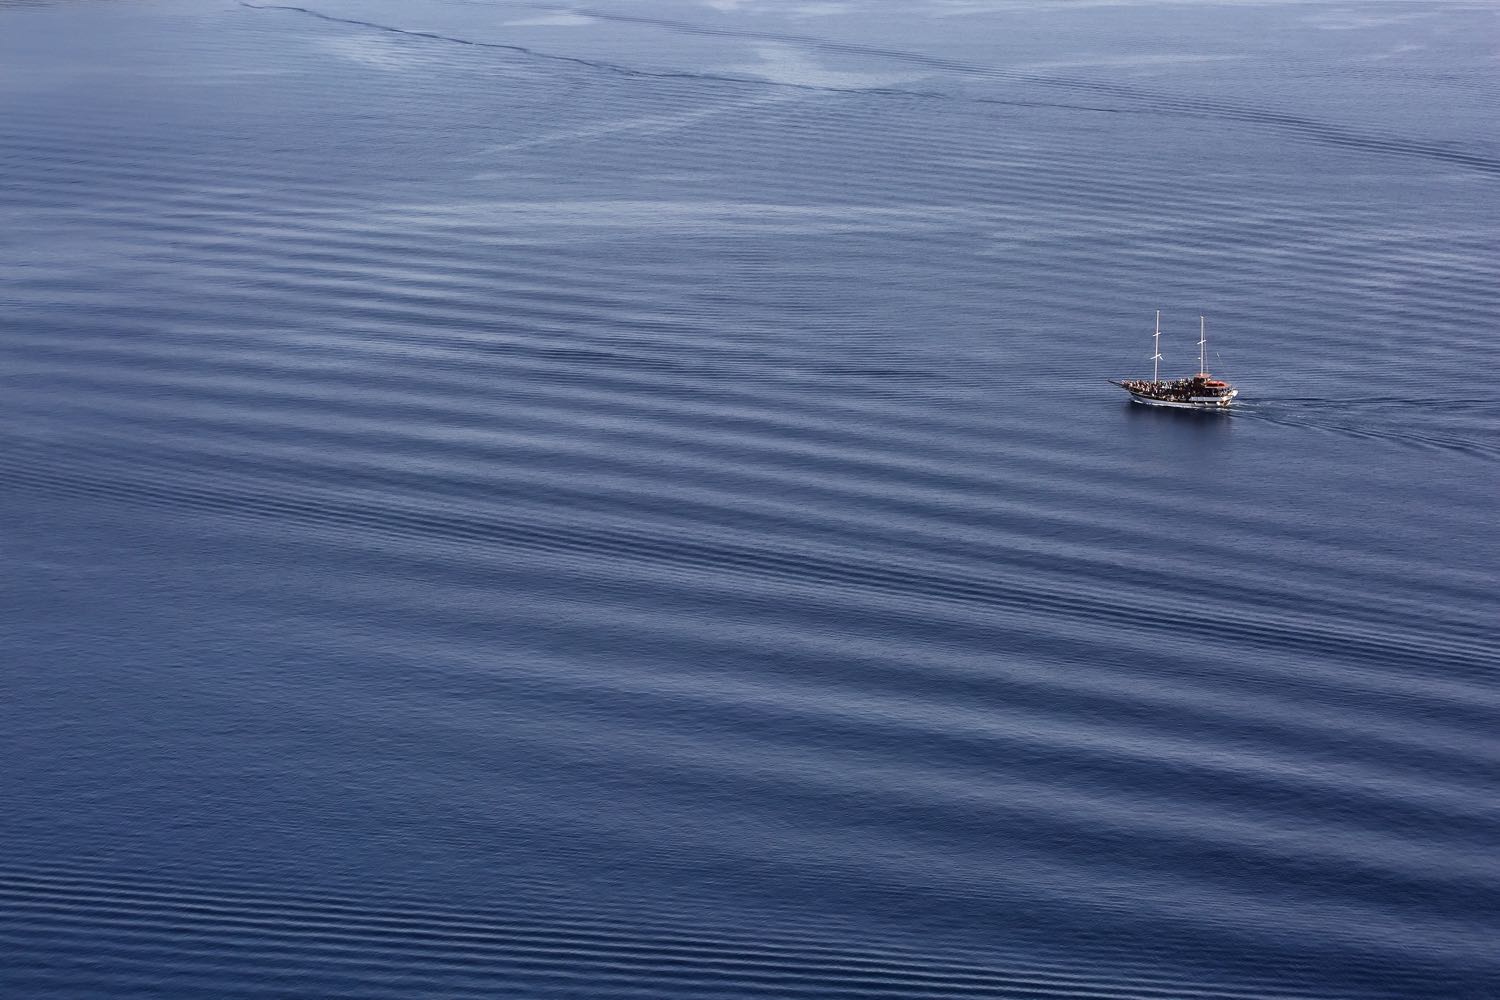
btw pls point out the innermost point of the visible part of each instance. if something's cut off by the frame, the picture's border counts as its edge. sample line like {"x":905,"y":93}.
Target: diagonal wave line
{"x":1149,"y":103}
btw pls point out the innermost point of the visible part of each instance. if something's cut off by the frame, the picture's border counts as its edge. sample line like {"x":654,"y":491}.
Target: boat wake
{"x":1469,"y":427}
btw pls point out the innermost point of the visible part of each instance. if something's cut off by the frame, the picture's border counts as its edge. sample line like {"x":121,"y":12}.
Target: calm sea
{"x":515,"y":500}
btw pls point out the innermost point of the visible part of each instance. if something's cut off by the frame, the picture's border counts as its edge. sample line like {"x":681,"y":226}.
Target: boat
{"x":1199,"y":392}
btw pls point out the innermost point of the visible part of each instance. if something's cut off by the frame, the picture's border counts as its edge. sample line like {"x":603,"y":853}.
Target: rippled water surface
{"x":504,"y":500}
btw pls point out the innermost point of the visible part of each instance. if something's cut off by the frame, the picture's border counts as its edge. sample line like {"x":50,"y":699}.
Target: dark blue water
{"x":512,"y":501}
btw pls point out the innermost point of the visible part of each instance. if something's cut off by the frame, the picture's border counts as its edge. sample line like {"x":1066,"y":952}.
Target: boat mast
{"x":1202,"y":341}
{"x":1156,"y":358}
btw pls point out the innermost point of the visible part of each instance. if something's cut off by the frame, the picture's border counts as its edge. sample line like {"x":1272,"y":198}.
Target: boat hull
{"x":1193,"y":403}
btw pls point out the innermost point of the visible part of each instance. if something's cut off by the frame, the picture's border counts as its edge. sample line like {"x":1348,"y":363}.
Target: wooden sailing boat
{"x":1200,"y":392}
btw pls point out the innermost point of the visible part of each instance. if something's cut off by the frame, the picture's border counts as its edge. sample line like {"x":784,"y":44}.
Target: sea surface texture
{"x":507,"y":500}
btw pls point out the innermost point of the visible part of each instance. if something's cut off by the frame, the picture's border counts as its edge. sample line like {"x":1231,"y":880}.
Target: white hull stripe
{"x":1193,"y":403}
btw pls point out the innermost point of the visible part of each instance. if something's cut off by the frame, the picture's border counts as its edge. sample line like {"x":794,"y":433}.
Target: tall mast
{"x":1202,"y":342}
{"x":1156,"y":358}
